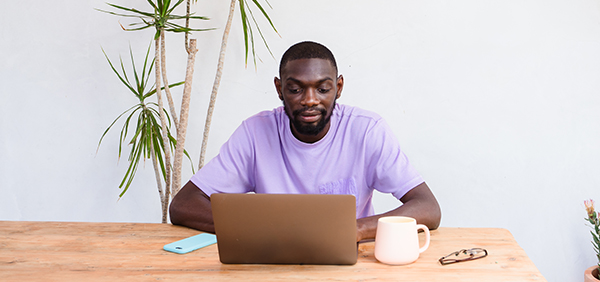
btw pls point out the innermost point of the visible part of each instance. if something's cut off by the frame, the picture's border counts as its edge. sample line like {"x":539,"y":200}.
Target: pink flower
{"x":589,"y":207}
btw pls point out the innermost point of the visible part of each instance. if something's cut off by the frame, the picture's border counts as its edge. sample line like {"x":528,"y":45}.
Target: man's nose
{"x":310,"y":98}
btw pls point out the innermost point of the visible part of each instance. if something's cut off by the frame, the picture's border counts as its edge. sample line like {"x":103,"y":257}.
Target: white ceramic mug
{"x":397,"y":240}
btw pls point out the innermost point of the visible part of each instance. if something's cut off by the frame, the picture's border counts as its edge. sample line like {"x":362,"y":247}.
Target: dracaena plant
{"x":162,"y":18}
{"x":593,"y":219}
{"x":145,"y":138}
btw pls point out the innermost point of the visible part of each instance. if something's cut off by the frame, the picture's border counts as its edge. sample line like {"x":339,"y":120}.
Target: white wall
{"x":495,"y":102}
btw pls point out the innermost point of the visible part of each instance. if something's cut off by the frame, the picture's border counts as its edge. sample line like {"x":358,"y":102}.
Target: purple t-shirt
{"x":359,"y":153}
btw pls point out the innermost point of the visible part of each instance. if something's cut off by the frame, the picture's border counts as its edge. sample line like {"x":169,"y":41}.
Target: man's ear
{"x":340,"y":86}
{"x":277,"y":82}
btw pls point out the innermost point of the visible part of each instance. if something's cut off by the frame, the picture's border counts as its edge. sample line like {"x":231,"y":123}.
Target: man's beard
{"x":309,"y":129}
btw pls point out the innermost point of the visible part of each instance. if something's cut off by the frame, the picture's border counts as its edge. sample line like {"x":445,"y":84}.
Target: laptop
{"x":285,"y":228}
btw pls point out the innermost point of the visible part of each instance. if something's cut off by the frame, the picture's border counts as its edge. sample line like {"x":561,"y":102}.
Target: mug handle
{"x":427,"y":237}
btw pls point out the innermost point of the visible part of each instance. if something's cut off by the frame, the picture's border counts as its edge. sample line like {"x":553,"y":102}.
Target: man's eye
{"x":294,"y":90}
{"x":323,"y":90}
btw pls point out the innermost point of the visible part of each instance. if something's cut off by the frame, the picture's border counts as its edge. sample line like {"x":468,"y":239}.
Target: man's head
{"x":308,"y":86}
{"x":307,"y":50}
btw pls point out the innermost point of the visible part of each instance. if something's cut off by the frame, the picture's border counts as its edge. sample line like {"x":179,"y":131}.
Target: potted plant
{"x":591,"y":274}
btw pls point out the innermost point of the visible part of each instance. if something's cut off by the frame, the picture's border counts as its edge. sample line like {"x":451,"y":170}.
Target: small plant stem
{"x":163,"y":122}
{"x":187,"y":21}
{"x":163,"y":66}
{"x":213,"y":95}
{"x":159,"y":185}
{"x":183,"y":122}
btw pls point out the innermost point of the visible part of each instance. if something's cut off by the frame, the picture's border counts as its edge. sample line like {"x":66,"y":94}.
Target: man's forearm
{"x":191,"y":208}
{"x":419,"y":203}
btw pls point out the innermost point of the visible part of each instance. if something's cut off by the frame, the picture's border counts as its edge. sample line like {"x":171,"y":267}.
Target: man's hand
{"x":419,"y":203}
{"x":191,"y":207}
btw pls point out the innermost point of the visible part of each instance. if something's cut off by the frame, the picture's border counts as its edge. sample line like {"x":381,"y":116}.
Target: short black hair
{"x":307,"y":50}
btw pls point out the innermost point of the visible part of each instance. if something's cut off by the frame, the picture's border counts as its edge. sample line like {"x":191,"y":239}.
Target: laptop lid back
{"x":285,"y":228}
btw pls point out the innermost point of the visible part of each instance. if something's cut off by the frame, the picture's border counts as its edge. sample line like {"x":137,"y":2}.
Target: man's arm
{"x":418,"y":203}
{"x":191,"y":207}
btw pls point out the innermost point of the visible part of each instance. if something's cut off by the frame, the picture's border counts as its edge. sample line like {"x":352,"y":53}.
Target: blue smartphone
{"x":192,"y":243}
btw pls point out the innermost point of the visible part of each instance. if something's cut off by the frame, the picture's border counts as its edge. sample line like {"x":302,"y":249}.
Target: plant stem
{"x":163,"y":122}
{"x":183,"y":122}
{"x":163,"y":65}
{"x":159,"y":185}
{"x":213,"y":95}
{"x":187,"y":22}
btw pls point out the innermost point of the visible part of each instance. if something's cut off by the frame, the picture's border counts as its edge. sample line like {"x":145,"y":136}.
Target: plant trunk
{"x":213,"y":95}
{"x":163,"y":202}
{"x":164,"y":126}
{"x":183,"y":122}
{"x":163,"y":66}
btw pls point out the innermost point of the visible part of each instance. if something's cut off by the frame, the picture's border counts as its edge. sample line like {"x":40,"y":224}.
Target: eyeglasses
{"x":464,"y":255}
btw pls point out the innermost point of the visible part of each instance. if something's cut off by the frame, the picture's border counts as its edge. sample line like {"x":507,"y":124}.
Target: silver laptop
{"x":285,"y":228}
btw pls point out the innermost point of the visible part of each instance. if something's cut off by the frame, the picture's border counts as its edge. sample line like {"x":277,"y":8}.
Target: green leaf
{"x":152,"y":4}
{"x":135,"y":75}
{"x":125,"y":129}
{"x":246,"y":14}
{"x":244,"y":27}
{"x":138,"y":129}
{"x":261,"y":34}
{"x":252,"y":36}
{"x":144,"y":78}
{"x":189,"y":159}
{"x":265,"y":14}
{"x":162,"y":88}
{"x":124,"y":72}
{"x":174,"y":6}
{"x":117,"y":73}
{"x":111,"y":125}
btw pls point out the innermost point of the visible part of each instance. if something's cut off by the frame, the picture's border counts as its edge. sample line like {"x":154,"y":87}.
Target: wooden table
{"x":78,"y":251}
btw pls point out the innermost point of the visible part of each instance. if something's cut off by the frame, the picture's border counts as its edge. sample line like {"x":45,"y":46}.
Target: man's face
{"x":308,"y":89}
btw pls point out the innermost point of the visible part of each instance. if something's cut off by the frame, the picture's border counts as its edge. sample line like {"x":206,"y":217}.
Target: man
{"x":310,"y":145}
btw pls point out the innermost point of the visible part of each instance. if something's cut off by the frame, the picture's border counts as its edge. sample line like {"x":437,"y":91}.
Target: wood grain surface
{"x":83,"y":251}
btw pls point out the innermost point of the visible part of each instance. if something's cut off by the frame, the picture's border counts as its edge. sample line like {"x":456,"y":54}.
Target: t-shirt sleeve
{"x":388,"y":168}
{"x":231,"y":170}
